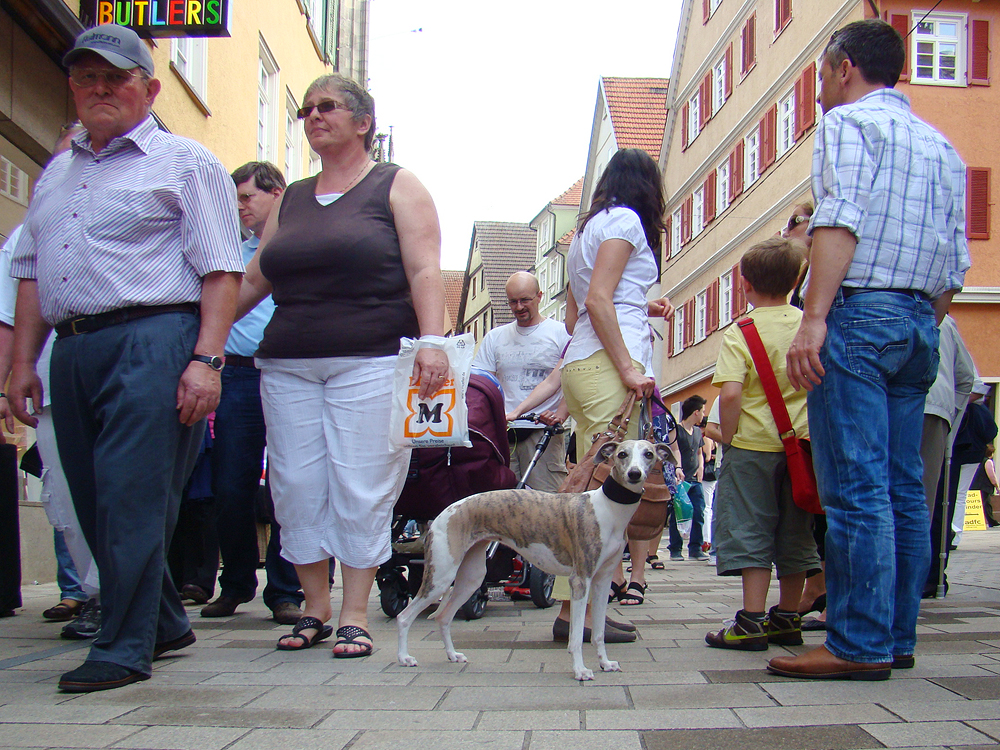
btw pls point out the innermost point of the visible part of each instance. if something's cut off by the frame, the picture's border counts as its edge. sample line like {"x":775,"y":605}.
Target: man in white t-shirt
{"x":521,"y":354}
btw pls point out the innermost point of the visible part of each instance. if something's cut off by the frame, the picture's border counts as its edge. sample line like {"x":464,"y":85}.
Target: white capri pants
{"x":333,"y":476}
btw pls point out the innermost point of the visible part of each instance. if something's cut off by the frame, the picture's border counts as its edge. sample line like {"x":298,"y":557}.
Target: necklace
{"x":350,"y":184}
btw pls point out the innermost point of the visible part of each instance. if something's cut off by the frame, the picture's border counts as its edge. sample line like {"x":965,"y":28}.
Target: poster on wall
{"x":160,"y":18}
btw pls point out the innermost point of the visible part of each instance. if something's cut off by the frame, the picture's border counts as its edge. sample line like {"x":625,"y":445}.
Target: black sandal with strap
{"x":655,"y":563}
{"x":348,"y":635}
{"x":617,"y":589}
{"x":306,"y":623}
{"x":629,"y":599}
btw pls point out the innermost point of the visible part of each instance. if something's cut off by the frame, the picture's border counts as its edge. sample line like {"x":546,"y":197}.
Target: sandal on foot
{"x":818,"y":605}
{"x":306,"y":623}
{"x":655,"y":563}
{"x":633,"y":595}
{"x":347,"y":635}
{"x":617,"y":589}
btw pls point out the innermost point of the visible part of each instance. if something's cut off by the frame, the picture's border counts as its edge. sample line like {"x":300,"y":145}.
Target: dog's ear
{"x":605,"y":452}
{"x":663,"y":453}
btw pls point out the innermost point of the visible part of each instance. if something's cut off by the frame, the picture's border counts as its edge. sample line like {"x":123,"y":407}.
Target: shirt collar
{"x":141,"y":135}
{"x":887,"y":96}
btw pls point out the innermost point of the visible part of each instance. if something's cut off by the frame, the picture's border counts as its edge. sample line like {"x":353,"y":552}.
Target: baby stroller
{"x":439,"y":477}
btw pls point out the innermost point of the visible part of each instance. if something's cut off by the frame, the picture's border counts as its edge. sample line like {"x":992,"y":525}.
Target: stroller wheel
{"x":476,"y":606}
{"x":393,"y":591}
{"x":540,"y":585}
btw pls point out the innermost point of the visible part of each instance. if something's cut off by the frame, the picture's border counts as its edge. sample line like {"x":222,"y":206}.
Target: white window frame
{"x":713,"y":5}
{"x":786,"y":124}
{"x":555,"y":276}
{"x":960,"y":40}
{"x":675,"y":232}
{"x":267,"y":104}
{"x":678,"y":330}
{"x":719,"y":84}
{"x":701,"y":316}
{"x":698,"y":212}
{"x":13,"y":182}
{"x":543,"y":239}
{"x":314,"y":10}
{"x":189,"y":58}
{"x":694,"y":117}
{"x":315,"y":163}
{"x":751,"y":157}
{"x":722,"y":187}
{"x":726,"y":298}
{"x":543,"y":280}
{"x":293,"y":139}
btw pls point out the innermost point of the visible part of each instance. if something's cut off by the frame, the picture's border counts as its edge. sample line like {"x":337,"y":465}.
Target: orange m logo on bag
{"x":433,"y":415}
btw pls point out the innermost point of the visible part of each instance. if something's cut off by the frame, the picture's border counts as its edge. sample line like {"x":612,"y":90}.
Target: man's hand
{"x":24,"y":384}
{"x":198,"y":392}
{"x":430,"y":370}
{"x":802,"y":361}
{"x":660,"y":308}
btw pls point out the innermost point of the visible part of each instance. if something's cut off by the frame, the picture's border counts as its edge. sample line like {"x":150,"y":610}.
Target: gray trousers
{"x":127,"y":457}
{"x":933,"y":443}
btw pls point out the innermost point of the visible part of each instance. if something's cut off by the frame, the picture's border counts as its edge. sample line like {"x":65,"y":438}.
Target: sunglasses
{"x":795,"y":220}
{"x":327,"y":105}
{"x":85,"y":77}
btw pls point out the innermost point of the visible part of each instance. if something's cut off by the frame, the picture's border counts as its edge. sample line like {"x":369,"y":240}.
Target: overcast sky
{"x":491,"y":104}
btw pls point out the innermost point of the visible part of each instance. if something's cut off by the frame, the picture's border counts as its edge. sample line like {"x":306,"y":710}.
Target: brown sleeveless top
{"x":337,"y":272}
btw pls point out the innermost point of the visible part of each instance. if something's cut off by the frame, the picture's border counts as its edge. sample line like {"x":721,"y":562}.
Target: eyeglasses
{"x":114,"y":78}
{"x":794,"y":220}
{"x":327,"y":105}
{"x":247,"y":197}
{"x":524,"y":301}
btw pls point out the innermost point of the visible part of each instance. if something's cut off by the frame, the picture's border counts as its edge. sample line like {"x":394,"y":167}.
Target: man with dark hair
{"x":689,"y":442}
{"x":238,"y":452}
{"x":888,"y":253}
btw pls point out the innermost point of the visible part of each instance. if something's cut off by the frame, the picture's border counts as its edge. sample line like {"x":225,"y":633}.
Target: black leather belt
{"x":850,"y":291}
{"x":91,"y":323}
{"x":235,"y":360}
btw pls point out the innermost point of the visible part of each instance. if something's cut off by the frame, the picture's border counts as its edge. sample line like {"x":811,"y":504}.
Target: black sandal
{"x":629,"y":599}
{"x":617,"y":589}
{"x":306,"y":623}
{"x":348,"y":635}
{"x":655,"y":563}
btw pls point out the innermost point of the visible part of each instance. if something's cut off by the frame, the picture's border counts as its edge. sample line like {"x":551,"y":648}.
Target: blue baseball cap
{"x":119,"y":45}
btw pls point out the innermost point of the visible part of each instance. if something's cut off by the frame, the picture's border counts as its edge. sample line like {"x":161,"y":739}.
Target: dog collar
{"x":618,"y":494}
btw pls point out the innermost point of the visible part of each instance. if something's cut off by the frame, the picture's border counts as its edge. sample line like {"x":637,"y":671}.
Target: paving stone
{"x":368,"y":718}
{"x":782,"y":738}
{"x":224,"y":717}
{"x":830,"y":692}
{"x":313,"y":739}
{"x":699,"y":696}
{"x":575,"y":696}
{"x":523,"y":720}
{"x":61,"y":735}
{"x":920,"y":734}
{"x":991,"y":727}
{"x":664,"y":718}
{"x":181,"y":738}
{"x":66,"y":713}
{"x":151,"y":694}
{"x":441,"y":740}
{"x":388,"y":697}
{"x":589,"y":740}
{"x":944,"y":710}
{"x":803,"y":716}
{"x":972,"y":687}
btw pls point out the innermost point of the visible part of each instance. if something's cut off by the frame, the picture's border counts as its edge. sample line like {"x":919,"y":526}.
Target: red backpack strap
{"x":767,"y":378}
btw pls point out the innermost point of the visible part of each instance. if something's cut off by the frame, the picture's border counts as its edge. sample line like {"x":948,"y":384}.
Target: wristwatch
{"x":216,"y":363}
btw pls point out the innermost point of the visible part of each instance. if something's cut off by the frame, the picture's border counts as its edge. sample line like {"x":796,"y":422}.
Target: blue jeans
{"x":237,"y":462}
{"x":697,"y":498}
{"x":66,"y":575}
{"x":865,"y":420}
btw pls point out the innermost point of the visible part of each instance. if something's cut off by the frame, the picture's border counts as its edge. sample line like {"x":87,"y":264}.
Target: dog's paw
{"x":610,"y":666}
{"x":408,"y":661}
{"x":455,"y":656}
{"x":583,"y":674}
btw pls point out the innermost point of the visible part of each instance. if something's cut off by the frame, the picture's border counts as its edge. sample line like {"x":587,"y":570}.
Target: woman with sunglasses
{"x":352,"y":259}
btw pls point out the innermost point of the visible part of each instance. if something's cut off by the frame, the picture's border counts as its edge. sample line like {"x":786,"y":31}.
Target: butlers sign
{"x":161,"y":18}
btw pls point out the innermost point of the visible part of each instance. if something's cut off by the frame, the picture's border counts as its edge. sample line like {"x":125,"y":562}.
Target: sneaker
{"x":700,"y":556}
{"x":784,"y":628}
{"x":86,"y":625}
{"x":676,"y":557}
{"x":740,"y":633}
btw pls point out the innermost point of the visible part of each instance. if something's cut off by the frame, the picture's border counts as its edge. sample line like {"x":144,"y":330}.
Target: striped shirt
{"x":139,"y":223}
{"x":899,"y":187}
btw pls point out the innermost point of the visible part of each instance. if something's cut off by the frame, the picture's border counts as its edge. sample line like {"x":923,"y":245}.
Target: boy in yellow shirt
{"x":756,"y":523}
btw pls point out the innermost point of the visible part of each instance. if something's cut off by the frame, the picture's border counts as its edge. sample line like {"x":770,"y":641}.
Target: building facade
{"x":552,"y":226}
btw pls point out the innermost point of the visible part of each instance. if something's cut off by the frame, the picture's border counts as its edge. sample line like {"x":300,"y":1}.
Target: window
{"x":939,"y":50}
{"x":782,"y":14}
{"x":555,"y":276}
{"x":805,"y":100}
{"x":722,"y":188}
{"x":708,"y":8}
{"x":267,"y":96}
{"x":701,"y":316}
{"x":675,"y":232}
{"x":473,"y":286}
{"x":726,"y":298}
{"x":543,"y":280}
{"x":786,"y":123}
{"x":719,"y":76}
{"x":189,"y":57}
{"x":315,"y":163}
{"x":748,"y":45}
{"x":13,"y":182}
{"x":293,"y":139}
{"x":694,"y":117}
{"x":314,"y":9}
{"x":543,"y":237}
{"x":678,"y":330}
{"x":698,"y":212}
{"x":751,"y":157}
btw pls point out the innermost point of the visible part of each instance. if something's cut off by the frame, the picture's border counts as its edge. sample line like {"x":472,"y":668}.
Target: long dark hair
{"x":632,"y":179}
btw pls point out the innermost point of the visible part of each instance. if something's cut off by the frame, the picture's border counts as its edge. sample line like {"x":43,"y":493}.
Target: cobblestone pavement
{"x":232,"y":690}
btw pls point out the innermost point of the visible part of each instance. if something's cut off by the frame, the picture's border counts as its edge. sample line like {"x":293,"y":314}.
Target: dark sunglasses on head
{"x":327,"y":105}
{"x":795,"y":220}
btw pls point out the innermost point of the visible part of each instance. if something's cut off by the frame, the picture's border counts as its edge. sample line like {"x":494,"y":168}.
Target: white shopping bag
{"x":443,"y":419}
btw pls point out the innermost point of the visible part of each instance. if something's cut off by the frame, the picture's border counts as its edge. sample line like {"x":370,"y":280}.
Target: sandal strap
{"x":347,"y":633}
{"x":305,"y":623}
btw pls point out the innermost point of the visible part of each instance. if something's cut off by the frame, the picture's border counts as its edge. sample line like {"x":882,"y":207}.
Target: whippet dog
{"x":580,"y":535}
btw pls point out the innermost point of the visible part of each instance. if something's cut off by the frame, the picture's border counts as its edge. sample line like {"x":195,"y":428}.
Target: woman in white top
{"x":612,"y":265}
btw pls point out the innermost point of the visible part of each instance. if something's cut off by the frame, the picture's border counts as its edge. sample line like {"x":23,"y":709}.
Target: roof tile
{"x":638,"y":108}
{"x":572,"y":196}
{"x":505,"y":247}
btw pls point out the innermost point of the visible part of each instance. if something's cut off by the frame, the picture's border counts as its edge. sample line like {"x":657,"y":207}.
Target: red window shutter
{"x":799,"y":106}
{"x":736,"y":172}
{"x":729,"y":70}
{"x":768,"y":139}
{"x":784,"y":13}
{"x":752,"y":40}
{"x":977,"y":203}
{"x":709,"y":192}
{"x":669,"y":236}
{"x":684,"y":125}
{"x":689,"y":322}
{"x":901,"y":23}
{"x":712,"y":323}
{"x":735,"y":294}
{"x":744,"y":48}
{"x":808,"y":102}
{"x":706,"y":99}
{"x":979,"y":53}
{"x":706,"y":11}
{"x":687,"y":208}
{"x":668,"y":334}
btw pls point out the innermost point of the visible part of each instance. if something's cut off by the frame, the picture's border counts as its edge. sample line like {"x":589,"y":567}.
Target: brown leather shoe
{"x":224,"y":606}
{"x":286,"y":613}
{"x":820,"y":664}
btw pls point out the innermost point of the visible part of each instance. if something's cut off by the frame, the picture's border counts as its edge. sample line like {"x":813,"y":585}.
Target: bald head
{"x":524,"y":295}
